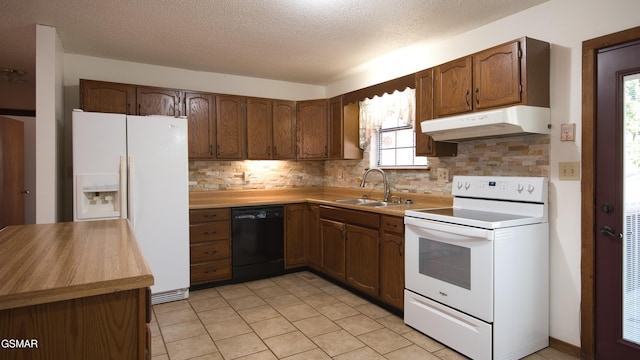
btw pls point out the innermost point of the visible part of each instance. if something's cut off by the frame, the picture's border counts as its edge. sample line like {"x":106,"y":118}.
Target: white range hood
{"x":513,"y":120}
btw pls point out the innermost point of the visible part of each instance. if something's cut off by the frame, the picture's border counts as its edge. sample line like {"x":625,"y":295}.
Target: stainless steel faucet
{"x":387,"y":191}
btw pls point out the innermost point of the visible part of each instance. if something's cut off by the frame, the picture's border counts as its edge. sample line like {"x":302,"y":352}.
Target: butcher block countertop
{"x":45,"y":263}
{"x":322,"y":196}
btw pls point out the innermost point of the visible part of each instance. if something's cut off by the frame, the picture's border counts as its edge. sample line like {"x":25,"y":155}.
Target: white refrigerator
{"x":136,"y":167}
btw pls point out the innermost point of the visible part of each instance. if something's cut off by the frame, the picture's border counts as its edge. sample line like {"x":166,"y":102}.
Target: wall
{"x":565,"y":24}
{"x":49,"y":124}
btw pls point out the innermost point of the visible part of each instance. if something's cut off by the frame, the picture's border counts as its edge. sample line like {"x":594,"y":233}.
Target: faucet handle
{"x":398,"y":199}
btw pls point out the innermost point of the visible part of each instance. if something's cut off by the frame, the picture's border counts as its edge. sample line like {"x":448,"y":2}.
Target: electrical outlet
{"x":442,"y":175}
{"x":569,"y":170}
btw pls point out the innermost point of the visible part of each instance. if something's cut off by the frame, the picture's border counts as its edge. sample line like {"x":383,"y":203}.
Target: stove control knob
{"x":459,"y":184}
{"x":530,"y":188}
{"x":467,"y":185}
{"x":520,"y":188}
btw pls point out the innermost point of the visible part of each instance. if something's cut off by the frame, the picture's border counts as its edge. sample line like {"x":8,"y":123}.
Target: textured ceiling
{"x":304,"y":41}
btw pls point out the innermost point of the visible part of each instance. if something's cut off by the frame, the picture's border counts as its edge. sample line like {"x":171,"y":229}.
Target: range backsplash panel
{"x":525,"y":155}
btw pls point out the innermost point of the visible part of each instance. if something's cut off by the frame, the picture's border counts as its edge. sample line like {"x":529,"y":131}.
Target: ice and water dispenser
{"x":98,"y":196}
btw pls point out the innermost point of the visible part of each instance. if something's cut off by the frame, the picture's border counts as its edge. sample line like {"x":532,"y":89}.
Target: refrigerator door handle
{"x":131,"y":192}
{"x":123,"y":187}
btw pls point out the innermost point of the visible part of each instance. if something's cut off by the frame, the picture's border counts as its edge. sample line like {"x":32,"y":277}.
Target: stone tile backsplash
{"x":523,"y":155}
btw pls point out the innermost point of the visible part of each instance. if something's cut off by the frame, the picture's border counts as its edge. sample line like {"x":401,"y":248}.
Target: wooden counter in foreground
{"x":75,"y":291}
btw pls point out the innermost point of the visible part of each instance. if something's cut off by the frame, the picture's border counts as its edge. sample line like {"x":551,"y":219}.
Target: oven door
{"x":451,"y":264}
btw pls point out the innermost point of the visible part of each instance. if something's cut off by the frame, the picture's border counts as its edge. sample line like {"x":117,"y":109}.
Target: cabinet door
{"x":158,"y":101}
{"x":230,"y":127}
{"x":332,"y":248}
{"x":362,"y":248}
{"x":425,"y":145}
{"x":295,"y":246}
{"x":392,"y":262}
{"x":284,"y":129}
{"x":313,"y":236}
{"x":343,"y":130}
{"x":107,"y":97}
{"x":313,"y":129}
{"x":452,"y":90}
{"x":200,"y":113}
{"x":336,"y":129}
{"x":496,"y":76}
{"x":259,"y":129}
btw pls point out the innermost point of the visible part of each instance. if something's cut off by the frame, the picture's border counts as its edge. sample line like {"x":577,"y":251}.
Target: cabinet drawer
{"x":210,"y":271}
{"x":219,"y":230}
{"x":206,"y":215}
{"x":355,"y":217}
{"x":392,"y":224}
{"x":210,"y":251}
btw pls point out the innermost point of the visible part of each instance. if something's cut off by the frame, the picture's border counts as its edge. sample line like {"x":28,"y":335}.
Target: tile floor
{"x":294,"y":316}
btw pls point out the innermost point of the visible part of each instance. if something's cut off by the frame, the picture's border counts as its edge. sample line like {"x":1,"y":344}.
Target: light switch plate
{"x":567,"y":132}
{"x":569,"y":170}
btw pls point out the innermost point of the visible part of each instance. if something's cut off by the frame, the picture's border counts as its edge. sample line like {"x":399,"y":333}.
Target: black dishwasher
{"x":257,"y":242}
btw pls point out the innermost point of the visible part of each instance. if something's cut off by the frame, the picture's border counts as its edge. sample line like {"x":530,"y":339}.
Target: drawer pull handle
{"x":209,"y":215}
{"x":210,"y":232}
{"x":211,"y":252}
{"x":392,"y":225}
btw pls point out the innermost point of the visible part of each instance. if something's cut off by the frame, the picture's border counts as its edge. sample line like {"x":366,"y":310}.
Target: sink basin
{"x":381,"y":203}
{"x":367,"y":202}
{"x":359,"y":201}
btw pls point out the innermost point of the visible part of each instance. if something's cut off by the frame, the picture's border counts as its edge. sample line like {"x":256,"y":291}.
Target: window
{"x":396,"y":147}
{"x":387,"y":123}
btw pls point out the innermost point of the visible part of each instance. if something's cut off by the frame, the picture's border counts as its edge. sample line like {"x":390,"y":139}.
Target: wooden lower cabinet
{"x":392,"y":261}
{"x":295,"y":246}
{"x":210,"y":245}
{"x":107,"y":326}
{"x":349,"y":242}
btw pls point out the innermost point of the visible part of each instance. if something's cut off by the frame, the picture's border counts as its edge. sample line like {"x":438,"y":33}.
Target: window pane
{"x":388,"y":157}
{"x":388,"y":140}
{"x":406,"y":138}
{"x":405,"y":156}
{"x":631,"y":223}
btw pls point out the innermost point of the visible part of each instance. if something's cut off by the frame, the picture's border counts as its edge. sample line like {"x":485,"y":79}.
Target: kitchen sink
{"x":367,"y":202}
{"x":359,"y":201}
{"x":381,"y":203}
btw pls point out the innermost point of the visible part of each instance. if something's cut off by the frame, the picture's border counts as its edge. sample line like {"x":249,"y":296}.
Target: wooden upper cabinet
{"x":231,"y":122}
{"x":159,"y":101}
{"x":200,"y":111}
{"x":514,"y":73}
{"x":425,"y":145}
{"x":284,"y":129}
{"x":343,"y":130}
{"x":259,"y":129}
{"x":313,"y":129}
{"x":452,"y":87}
{"x":107,"y":97}
{"x":496,"y":76}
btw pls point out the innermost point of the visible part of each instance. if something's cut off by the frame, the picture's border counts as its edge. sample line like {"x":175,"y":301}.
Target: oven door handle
{"x":422,"y":225}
